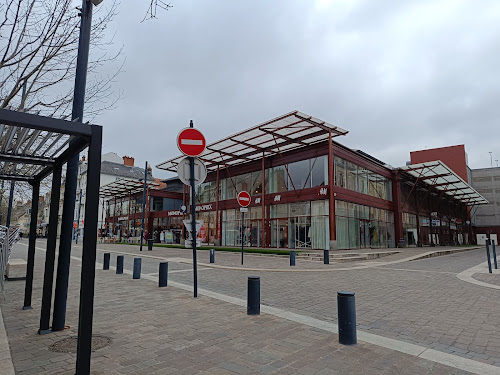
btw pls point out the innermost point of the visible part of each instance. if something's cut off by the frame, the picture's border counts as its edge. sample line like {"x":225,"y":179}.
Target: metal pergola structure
{"x":31,"y":148}
{"x":123,"y":188}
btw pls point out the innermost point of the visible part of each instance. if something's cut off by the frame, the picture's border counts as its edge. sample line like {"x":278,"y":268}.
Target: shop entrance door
{"x":279,"y":233}
{"x":364,"y":233}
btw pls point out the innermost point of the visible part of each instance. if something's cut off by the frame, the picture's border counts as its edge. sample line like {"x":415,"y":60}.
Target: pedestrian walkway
{"x":165,"y":330}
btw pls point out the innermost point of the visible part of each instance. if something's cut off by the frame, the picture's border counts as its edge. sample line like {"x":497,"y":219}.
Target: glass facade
{"x":353,"y":177}
{"x":361,"y":226}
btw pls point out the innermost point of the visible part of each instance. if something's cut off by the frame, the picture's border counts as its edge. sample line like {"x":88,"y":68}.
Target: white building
{"x":113,"y":167}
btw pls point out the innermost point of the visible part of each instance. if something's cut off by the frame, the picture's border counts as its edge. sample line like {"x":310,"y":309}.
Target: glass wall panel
{"x":340,"y":172}
{"x":279,"y":210}
{"x":300,"y":209}
{"x":363,"y":180}
{"x":353,"y":233}
{"x":278,"y":179}
{"x":319,"y":171}
{"x":243,"y":182}
{"x":300,"y":176}
{"x":256,"y":187}
{"x":352,"y":176}
{"x":342,"y":224}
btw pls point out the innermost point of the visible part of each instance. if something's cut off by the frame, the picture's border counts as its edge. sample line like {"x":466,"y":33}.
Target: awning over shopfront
{"x":290,"y":131}
{"x":123,"y":188}
{"x":439,"y":176}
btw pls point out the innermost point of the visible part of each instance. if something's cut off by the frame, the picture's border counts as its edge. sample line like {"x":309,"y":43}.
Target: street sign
{"x":187,"y":224}
{"x":184,"y":171}
{"x":243,"y":209}
{"x":191,"y":142}
{"x":244,"y":199}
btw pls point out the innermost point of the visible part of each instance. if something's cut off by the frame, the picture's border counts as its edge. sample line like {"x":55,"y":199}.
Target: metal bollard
{"x":150,"y":245}
{"x":107,"y":257}
{"x":488,"y":255}
{"x":494,"y":254}
{"x":347,"y":318}
{"x":292,"y":258}
{"x":326,"y":256}
{"x":253,"y":297}
{"x":163,"y":278}
{"x":119,"y":264}
{"x":212,"y":255}
{"x":137,"y":268}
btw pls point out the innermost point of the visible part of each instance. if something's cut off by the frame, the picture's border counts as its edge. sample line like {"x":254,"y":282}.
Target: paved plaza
{"x":438,"y":315}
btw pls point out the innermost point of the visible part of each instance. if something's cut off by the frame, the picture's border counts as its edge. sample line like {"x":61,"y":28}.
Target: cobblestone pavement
{"x":167,"y":331}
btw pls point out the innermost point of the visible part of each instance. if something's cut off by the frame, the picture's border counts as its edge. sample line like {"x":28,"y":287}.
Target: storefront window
{"x":352,"y":176}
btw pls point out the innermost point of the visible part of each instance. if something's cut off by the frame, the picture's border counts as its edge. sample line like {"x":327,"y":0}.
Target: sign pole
{"x":242,"y":224}
{"x":193,"y":221}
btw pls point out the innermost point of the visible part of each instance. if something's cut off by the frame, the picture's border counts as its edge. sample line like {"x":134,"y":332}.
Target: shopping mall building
{"x":308,"y":192}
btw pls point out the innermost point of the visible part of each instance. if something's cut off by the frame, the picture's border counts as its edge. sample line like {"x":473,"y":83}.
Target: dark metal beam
{"x":27,"y":120}
{"x":26,"y":159}
{"x":50,"y":255}
{"x":28,"y":289}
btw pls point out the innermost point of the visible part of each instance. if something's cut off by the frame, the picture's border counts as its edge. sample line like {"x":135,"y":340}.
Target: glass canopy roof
{"x":290,"y":131}
{"x":123,"y":187}
{"x":440,"y":176}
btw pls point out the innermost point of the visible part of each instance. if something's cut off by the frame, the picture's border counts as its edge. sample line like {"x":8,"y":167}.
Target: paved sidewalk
{"x":165,"y":330}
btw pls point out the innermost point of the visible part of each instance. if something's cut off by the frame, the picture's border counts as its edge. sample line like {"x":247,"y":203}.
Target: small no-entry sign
{"x":244,"y":199}
{"x":191,"y":142}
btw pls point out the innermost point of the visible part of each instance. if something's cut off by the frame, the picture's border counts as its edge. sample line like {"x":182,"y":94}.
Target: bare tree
{"x":38,"y":48}
{"x":154,"y":5}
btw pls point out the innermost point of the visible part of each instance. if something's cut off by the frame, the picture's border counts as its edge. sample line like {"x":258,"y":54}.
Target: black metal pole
{"x":488,"y":255}
{"x":163,"y":274}
{"x":50,"y":255}
{"x":68,"y":213}
{"x":87,"y":277}
{"x":193,"y":220}
{"x":292,"y":258}
{"x":78,"y":218}
{"x":107,"y":258}
{"x":28,"y":289}
{"x":346,"y":308}
{"x":144,"y":203}
{"x":494,"y":254}
{"x":242,"y":224}
{"x":119,"y":264}
{"x":253,"y":295}
{"x":11,"y":201}
{"x":1,"y":198}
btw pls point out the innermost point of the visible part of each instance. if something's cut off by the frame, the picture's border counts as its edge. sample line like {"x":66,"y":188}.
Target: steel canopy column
{"x":217,"y":228}
{"x":87,"y":283}
{"x":398,"y":209}
{"x":331,"y":197}
{"x":11,"y":201}
{"x":48,"y":277}
{"x":68,"y":213}
{"x":263,"y":192}
{"x":31,"y":246}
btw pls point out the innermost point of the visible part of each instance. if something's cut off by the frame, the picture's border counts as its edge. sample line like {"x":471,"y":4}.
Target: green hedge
{"x":228,"y":249}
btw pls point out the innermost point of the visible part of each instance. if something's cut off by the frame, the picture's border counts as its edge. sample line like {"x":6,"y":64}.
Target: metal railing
{"x":8,"y":236}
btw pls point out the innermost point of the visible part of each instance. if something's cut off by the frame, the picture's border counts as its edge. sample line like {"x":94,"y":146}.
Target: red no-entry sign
{"x":244,"y":199}
{"x":191,"y":142}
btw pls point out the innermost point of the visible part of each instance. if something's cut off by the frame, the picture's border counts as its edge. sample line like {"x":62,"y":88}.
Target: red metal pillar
{"x":398,"y":209}
{"x":331,"y":196}
{"x":217,"y":228}
{"x":114,"y":218}
{"x":262,"y":195}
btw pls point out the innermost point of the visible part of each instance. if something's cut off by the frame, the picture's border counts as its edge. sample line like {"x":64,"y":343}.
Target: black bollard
{"x":326,"y":256}
{"x":137,"y":268}
{"x":150,"y":245}
{"x":346,"y":318}
{"x":292,"y":258}
{"x":119,"y":264}
{"x":488,"y":255}
{"x":494,"y":254}
{"x":163,"y":278}
{"x":212,"y":255}
{"x":107,"y":257}
{"x":253,"y":297}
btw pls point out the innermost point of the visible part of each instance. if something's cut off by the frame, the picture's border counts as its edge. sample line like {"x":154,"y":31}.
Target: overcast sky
{"x":399,"y":75}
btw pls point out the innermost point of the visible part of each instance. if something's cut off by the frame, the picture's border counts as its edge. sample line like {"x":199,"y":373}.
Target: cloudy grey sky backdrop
{"x":399,"y":75}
